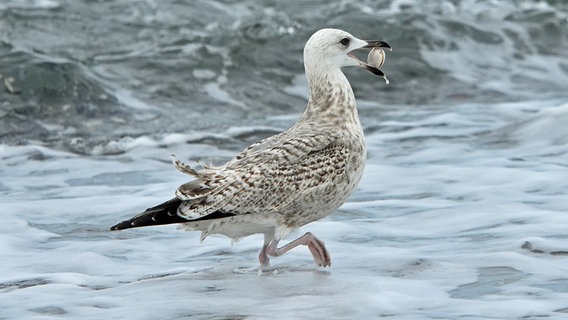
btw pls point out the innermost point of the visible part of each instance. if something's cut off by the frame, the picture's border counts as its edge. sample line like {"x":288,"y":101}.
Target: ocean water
{"x":461,"y":213}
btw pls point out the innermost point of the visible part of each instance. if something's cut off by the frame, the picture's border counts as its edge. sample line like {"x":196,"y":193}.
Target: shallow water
{"x":461,"y":213}
{"x":458,"y":216}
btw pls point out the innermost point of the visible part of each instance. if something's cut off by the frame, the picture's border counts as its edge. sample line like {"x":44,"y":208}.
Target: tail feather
{"x":164,"y":213}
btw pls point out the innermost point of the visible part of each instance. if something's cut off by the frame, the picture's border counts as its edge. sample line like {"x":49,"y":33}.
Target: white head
{"x":332,"y":49}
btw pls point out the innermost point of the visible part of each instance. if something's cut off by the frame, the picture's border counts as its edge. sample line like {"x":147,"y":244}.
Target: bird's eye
{"x":344,"y":41}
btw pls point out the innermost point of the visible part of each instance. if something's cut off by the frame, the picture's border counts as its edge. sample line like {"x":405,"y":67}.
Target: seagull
{"x":288,"y":180}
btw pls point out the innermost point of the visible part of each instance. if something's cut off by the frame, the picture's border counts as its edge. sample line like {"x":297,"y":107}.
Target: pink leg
{"x":316,"y":246}
{"x":263,"y":257}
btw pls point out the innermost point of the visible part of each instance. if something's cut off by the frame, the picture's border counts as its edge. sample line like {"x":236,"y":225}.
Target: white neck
{"x":331,"y":98}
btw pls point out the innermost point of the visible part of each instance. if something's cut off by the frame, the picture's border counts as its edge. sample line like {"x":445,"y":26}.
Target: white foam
{"x":460,"y":214}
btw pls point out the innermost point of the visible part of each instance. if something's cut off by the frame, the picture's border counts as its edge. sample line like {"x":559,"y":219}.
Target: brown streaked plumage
{"x":290,"y":179}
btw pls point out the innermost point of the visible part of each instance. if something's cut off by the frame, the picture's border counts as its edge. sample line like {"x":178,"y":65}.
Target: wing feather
{"x":268,"y":176}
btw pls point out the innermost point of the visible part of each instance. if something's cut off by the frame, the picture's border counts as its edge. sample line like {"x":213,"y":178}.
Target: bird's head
{"x":333,"y":48}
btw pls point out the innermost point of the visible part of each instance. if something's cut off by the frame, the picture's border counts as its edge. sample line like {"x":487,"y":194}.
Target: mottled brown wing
{"x":284,"y":186}
{"x":269,"y":179}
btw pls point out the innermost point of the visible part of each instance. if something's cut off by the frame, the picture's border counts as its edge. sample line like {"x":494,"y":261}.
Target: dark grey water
{"x":76,"y":73}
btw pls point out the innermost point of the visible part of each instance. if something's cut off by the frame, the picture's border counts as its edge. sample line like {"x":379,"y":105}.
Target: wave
{"x":92,"y":73}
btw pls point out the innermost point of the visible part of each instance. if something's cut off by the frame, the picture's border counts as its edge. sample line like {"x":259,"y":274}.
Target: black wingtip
{"x":160,"y":214}
{"x":165,"y":213}
{"x":121,"y":226}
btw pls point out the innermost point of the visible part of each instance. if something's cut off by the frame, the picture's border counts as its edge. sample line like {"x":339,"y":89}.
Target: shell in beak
{"x":375,"y":59}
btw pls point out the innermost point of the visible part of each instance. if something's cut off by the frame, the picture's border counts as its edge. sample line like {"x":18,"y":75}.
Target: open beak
{"x":377,"y":44}
{"x":373,"y":69}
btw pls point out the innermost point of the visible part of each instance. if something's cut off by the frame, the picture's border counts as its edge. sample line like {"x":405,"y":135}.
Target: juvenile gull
{"x":290,"y":179}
